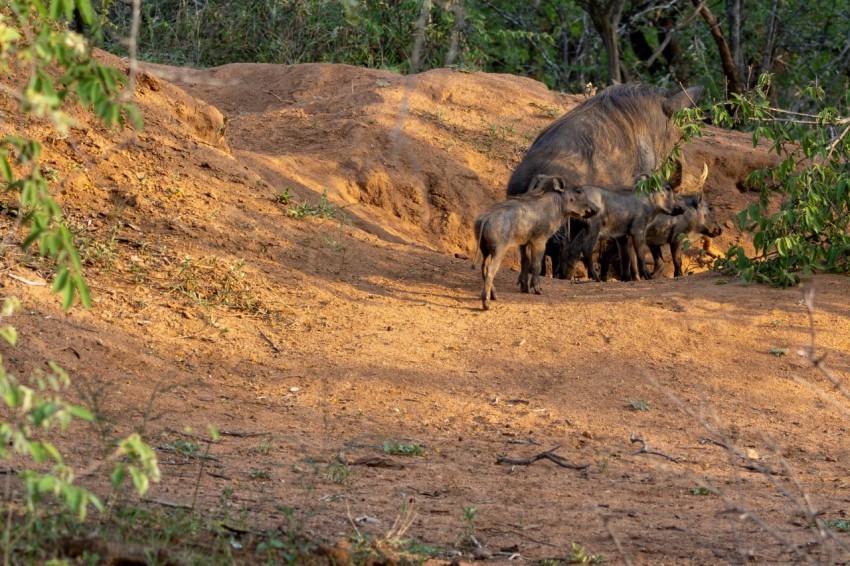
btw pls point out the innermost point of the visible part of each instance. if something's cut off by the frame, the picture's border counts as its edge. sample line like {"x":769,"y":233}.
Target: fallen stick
{"x":645,"y":449}
{"x":26,"y":281}
{"x":271,"y":343}
{"x":547,"y":455}
{"x":242,"y":434}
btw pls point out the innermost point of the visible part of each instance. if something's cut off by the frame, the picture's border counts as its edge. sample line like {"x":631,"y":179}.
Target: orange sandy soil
{"x":312,"y":342}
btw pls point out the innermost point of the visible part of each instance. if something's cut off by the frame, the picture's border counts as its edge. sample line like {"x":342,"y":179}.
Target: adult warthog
{"x":608,"y":140}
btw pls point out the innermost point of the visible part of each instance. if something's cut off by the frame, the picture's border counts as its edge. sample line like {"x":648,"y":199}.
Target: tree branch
{"x":733,"y":81}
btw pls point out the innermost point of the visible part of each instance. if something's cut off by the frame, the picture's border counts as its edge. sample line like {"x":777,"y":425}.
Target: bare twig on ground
{"x":166,"y":503}
{"x":709,"y":440}
{"x":518,"y":533}
{"x":377,"y":462}
{"x":26,"y":281}
{"x":523,"y":441}
{"x":548,"y":455}
{"x":271,"y":343}
{"x":243,"y":434}
{"x":746,"y":462}
{"x":275,"y":95}
{"x":645,"y":449}
{"x":219,"y":476}
{"x":187,"y":434}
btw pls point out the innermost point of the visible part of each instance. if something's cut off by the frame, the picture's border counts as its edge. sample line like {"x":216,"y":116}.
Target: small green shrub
{"x":283,"y":197}
{"x":403,"y":449}
{"x":578,"y":555}
{"x":259,"y":474}
{"x":32,"y":412}
{"x":325,"y":209}
{"x":778,"y":352}
{"x":837,"y":524}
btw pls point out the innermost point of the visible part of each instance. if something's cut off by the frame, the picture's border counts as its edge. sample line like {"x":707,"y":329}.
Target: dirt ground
{"x":318,"y":344}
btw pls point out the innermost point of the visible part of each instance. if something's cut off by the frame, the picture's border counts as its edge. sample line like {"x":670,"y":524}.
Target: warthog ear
{"x":536,"y":182}
{"x":676,"y":176}
{"x":544,"y":183}
{"x":684,"y":99}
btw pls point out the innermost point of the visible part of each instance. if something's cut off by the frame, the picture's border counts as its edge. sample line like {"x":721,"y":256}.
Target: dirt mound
{"x":346,"y":358}
{"x":413,"y":159}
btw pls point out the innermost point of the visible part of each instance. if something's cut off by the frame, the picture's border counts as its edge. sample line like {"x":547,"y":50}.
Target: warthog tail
{"x":478,"y":246}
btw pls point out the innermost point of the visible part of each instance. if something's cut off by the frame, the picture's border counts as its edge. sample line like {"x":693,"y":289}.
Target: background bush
{"x":559,"y":42}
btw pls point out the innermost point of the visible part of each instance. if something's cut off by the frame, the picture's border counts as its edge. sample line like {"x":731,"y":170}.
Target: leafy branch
{"x":43,"y":68}
{"x":34,"y":43}
{"x":810,"y":186}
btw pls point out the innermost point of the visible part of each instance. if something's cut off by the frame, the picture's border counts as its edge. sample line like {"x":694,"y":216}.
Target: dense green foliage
{"x":799,"y":224}
{"x":556,"y":41}
{"x":372,"y":34}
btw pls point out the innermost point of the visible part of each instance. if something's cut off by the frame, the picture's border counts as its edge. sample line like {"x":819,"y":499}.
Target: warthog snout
{"x":590,"y":211}
{"x":714,"y":231}
{"x":576,"y":203}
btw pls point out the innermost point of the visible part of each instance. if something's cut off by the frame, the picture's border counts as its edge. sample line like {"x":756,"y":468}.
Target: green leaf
{"x":6,"y":169}
{"x":81,"y":413}
{"x":87,"y":13}
{"x":214,"y":433}
{"x":56,"y":8}
{"x":134,"y":116}
{"x":52,"y":452}
{"x":61,"y":280}
{"x":140,"y":480}
{"x":47,"y":483}
{"x":9,"y":334}
{"x":12,"y":397}
{"x":37,"y":451}
{"x":67,"y":295}
{"x":117,"y":475}
{"x":10,"y":305}
{"x":83,"y":290}
{"x":8,"y":35}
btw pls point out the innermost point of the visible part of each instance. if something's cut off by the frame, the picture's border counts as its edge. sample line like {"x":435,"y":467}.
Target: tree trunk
{"x":733,"y":83}
{"x":770,"y":40}
{"x":673,"y":52}
{"x":733,"y":12}
{"x":605,"y":17}
{"x":609,"y":41}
